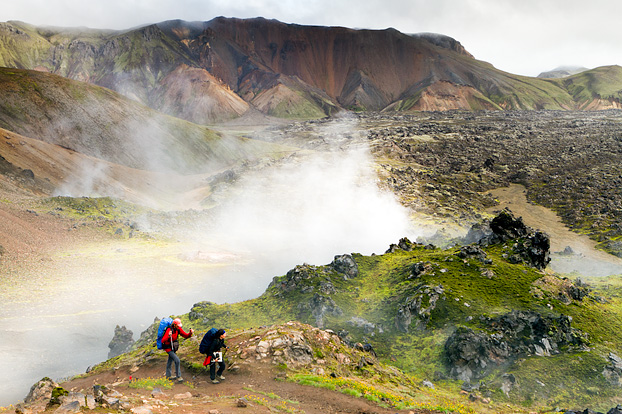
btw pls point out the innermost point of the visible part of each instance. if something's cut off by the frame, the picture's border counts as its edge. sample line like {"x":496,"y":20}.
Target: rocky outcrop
{"x":472,"y":355}
{"x":405,"y":245}
{"x":528,"y":246}
{"x":419,"y":307}
{"x":473,"y":252}
{"x":294,"y":278}
{"x":121,"y":342}
{"x":292,"y":348}
{"x":346,"y":264}
{"x":300,"y":278}
{"x":42,"y":394}
{"x":420,"y":268}
{"x":613,"y":371}
{"x":47,"y":396}
{"x":297,"y":345}
{"x":319,"y":307}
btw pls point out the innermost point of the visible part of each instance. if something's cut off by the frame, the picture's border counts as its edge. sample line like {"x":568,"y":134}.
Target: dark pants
{"x":212,"y":369}
{"x":173,"y":358}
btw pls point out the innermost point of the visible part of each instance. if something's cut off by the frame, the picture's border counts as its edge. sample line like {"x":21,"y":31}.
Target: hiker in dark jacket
{"x":217,"y":343}
{"x":170,"y":344}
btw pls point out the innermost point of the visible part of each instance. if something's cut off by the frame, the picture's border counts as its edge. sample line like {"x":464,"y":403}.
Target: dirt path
{"x":587,"y":260}
{"x":257,"y":386}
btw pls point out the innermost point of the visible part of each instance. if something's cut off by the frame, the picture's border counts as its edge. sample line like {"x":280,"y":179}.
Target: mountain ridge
{"x":324,"y":69}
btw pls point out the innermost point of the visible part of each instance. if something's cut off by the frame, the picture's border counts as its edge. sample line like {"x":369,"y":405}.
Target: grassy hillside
{"x":600,"y":83}
{"x":453,"y":292}
{"x":21,"y":46}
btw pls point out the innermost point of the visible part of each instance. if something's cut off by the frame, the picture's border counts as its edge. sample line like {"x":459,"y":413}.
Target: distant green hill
{"x":604,"y":83}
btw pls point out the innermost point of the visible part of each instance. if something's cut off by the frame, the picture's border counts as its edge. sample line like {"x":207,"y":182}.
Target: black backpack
{"x":207,"y":340}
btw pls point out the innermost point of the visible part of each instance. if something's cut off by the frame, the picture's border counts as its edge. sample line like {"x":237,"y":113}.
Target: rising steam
{"x":311,"y":209}
{"x":308,"y":208}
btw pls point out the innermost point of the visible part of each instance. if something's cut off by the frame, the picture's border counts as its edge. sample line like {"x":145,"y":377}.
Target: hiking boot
{"x":180,"y":379}
{"x":215,"y":381}
{"x":221,"y":377}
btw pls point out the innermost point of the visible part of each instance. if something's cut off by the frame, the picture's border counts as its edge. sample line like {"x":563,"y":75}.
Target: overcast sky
{"x":519,"y":36}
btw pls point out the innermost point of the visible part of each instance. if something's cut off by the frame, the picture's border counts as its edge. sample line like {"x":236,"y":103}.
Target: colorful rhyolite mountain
{"x":211,"y":71}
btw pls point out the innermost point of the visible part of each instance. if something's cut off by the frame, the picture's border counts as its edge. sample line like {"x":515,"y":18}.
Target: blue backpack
{"x":164,"y":324}
{"x":207,"y":340}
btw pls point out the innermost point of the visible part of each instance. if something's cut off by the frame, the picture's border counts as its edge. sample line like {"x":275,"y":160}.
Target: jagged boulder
{"x":419,"y":268}
{"x":345,"y":264}
{"x":472,"y":354}
{"x":505,"y":226}
{"x":531,"y":247}
{"x":473,"y":252}
{"x":420,"y":306}
{"x":613,"y":371}
{"x":534,"y":251}
{"x":578,"y":290}
{"x":74,"y":401}
{"x":121,"y":342}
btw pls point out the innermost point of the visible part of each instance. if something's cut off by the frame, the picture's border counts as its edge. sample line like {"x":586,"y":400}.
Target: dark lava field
{"x":441,"y":163}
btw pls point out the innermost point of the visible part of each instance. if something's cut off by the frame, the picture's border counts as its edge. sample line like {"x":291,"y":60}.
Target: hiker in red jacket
{"x":170,"y":344}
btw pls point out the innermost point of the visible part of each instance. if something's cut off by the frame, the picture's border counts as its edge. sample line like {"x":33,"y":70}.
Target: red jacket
{"x":166,"y":339}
